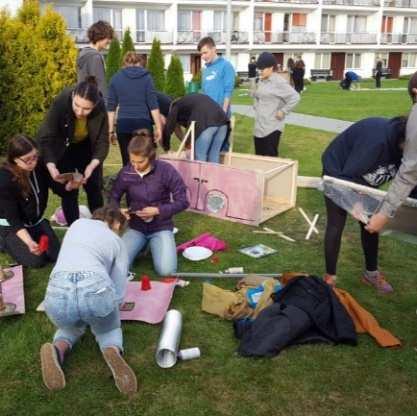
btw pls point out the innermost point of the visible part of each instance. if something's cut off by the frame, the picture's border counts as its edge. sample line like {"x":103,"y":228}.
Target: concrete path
{"x":313,"y":122}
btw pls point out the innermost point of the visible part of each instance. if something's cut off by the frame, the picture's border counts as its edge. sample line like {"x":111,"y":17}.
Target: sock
{"x":372,"y":274}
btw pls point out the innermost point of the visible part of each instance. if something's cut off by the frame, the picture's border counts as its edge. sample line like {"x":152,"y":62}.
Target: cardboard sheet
{"x":13,"y":291}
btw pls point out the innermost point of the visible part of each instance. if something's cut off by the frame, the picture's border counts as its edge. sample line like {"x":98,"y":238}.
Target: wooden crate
{"x":243,"y":188}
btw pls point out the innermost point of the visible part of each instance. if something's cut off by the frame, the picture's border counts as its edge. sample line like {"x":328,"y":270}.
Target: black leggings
{"x":268,"y":145}
{"x":19,"y":251}
{"x":336,"y":219}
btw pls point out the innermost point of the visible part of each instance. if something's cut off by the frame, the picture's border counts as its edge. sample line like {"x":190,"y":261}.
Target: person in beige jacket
{"x":274,"y":98}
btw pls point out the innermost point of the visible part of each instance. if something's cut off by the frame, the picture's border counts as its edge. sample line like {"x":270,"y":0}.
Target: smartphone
{"x":127,"y":306}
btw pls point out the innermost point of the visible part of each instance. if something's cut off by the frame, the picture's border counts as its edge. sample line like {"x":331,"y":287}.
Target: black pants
{"x":378,"y":81}
{"x":19,"y":251}
{"x":78,"y":156}
{"x":268,"y":145}
{"x":336,"y":219}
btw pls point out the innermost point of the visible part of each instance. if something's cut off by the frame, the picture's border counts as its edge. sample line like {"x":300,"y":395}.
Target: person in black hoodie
{"x":211,"y":125}
{"x":90,"y":61}
{"x":74,"y":136}
{"x":23,"y":199}
{"x":132,"y":90}
{"x":369,"y":153}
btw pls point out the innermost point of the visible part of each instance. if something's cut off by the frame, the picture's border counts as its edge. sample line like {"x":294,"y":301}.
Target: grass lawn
{"x":309,"y":380}
{"x":327,"y":99}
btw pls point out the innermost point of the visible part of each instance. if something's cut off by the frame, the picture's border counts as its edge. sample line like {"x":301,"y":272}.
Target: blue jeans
{"x":163,"y":249}
{"x":209,"y":143}
{"x":76,"y":299}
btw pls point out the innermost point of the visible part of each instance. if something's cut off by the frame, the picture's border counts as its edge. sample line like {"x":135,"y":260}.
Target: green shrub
{"x":113,"y":59}
{"x":127,"y":45}
{"x":156,"y":65}
{"x":37,"y":60}
{"x":174,"y":86}
{"x":197,"y":77}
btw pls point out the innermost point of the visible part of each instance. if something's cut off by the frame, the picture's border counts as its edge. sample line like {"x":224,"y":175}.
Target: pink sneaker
{"x":378,"y":282}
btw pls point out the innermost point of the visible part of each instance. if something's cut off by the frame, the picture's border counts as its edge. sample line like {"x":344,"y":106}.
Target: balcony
{"x":148,"y":36}
{"x":363,"y":3}
{"x":192,"y":37}
{"x":188,"y":37}
{"x":289,"y":1}
{"x":353,"y":38}
{"x":79,"y":35}
{"x":411,"y":4}
{"x":284,"y":37}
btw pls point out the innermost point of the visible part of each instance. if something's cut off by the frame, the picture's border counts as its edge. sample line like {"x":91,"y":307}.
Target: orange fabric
{"x":366,"y":322}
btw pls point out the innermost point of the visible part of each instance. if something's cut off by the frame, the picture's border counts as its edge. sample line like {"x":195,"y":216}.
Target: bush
{"x":113,"y":59}
{"x":197,"y":77}
{"x":175,"y":78}
{"x":37,"y":60}
{"x":156,"y":65}
{"x":238,"y":81}
{"x":127,"y":45}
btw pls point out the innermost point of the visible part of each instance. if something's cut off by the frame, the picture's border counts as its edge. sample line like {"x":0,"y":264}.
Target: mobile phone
{"x":127,"y":306}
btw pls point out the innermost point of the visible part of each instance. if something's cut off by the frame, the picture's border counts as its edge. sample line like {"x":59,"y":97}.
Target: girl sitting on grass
{"x":86,"y":287}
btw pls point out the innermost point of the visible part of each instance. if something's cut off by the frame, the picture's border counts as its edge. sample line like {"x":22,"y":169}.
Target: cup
{"x":43,"y":243}
{"x":189,"y":353}
{"x":145,"y":283}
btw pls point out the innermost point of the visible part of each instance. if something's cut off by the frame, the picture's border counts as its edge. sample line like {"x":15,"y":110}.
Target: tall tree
{"x":175,"y":78}
{"x":156,"y":65}
{"x":113,"y":59}
{"x":127,"y":44}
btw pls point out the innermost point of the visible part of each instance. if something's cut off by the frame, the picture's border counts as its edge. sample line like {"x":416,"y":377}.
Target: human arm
{"x":289,"y":96}
{"x":101,"y":143}
{"x":229,"y":84}
{"x":152,"y":102}
{"x":32,"y":245}
{"x":119,"y":270}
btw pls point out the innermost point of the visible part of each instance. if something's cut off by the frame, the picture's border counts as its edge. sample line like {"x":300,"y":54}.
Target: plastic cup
{"x":189,"y":353}
{"x":145,"y":283}
{"x":43,"y":243}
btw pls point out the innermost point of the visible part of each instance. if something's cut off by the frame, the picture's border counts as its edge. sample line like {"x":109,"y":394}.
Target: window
{"x":235,"y":24}
{"x":328,"y":23}
{"x":322,"y":61}
{"x":410,"y":25}
{"x":186,"y":63}
{"x":386,"y":26}
{"x":113,"y":16}
{"x":259,"y":22}
{"x":295,"y":56}
{"x":219,"y":21}
{"x":408,"y":60}
{"x":189,"y":20}
{"x":353,"y":60}
{"x":299,"y":19}
{"x":71,"y":14}
{"x":155,"y":20}
{"x":356,"y":24}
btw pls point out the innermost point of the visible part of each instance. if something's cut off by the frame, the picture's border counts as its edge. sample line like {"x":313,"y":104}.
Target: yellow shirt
{"x":80,"y":130}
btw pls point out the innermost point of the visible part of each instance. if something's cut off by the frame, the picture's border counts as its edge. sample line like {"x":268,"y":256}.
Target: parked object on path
{"x":169,"y":340}
{"x":221,"y":190}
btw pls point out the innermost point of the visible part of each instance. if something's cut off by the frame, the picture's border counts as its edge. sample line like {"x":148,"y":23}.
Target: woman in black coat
{"x":23,"y":199}
{"x":75,"y":137}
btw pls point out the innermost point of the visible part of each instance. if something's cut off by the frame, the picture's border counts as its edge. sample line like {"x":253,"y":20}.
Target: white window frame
{"x":356,"y":60}
{"x":322,"y":60}
{"x":408,"y":60}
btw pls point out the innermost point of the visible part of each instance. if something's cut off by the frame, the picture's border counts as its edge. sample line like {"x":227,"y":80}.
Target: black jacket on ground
{"x":306,"y":310}
{"x":194,"y":107}
{"x":57,"y":130}
{"x":367,"y":152}
{"x":18,"y":210}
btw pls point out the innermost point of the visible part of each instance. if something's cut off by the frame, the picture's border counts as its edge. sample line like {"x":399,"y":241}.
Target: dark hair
{"x":99,"y":31}
{"x":207,"y":41}
{"x":143,"y":144}
{"x":253,"y":58}
{"x":19,"y":145}
{"x":412,"y":84}
{"x":88,"y":90}
{"x":379,"y":65}
{"x":401,"y":129}
{"x":290,"y":63}
{"x":110,"y":214}
{"x":133,"y":58}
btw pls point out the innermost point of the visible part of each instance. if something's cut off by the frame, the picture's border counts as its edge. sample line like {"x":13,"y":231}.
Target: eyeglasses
{"x":30,"y":159}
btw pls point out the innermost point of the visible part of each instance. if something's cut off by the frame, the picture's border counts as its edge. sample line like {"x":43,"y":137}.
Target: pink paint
{"x":13,"y":291}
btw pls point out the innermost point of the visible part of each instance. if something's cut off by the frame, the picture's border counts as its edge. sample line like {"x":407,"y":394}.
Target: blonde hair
{"x":132,"y":59}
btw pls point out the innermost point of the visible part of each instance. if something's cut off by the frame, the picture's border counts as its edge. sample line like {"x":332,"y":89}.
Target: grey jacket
{"x":90,"y":62}
{"x":270,"y":96}
{"x":406,"y":178}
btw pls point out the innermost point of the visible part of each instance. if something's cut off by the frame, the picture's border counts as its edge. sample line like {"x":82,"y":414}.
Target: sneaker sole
{"x":382,"y":292}
{"x":52,"y":374}
{"x":124,"y":377}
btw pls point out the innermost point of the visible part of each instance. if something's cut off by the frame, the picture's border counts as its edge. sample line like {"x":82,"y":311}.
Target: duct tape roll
{"x":167,"y":348}
{"x":189,"y":353}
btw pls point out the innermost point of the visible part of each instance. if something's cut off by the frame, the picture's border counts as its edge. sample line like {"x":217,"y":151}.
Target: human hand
{"x":157,"y":135}
{"x":126,"y":213}
{"x":280,"y":115}
{"x":113,"y":138}
{"x":54,"y":172}
{"x":147,"y":212}
{"x":377,"y":223}
{"x":34,"y":248}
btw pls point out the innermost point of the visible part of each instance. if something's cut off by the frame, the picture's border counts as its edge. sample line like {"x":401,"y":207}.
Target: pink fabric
{"x":150,"y":305}
{"x":13,"y":290}
{"x":204,"y":240}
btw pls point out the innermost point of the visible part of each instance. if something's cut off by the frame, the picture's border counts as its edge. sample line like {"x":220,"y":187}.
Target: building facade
{"x":336,"y":35}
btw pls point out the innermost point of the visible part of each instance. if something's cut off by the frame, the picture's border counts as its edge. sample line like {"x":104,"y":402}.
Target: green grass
{"x":327,"y":99}
{"x":308,"y":380}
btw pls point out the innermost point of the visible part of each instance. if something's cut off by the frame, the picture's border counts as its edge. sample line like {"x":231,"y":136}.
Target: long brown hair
{"x":110,"y":214}
{"x":19,"y":145}
{"x":143,"y":144}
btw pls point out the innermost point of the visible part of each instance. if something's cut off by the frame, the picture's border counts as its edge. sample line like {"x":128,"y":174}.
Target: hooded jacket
{"x":367,"y":152}
{"x":133,"y":91}
{"x":57,"y":130}
{"x":90,"y":62}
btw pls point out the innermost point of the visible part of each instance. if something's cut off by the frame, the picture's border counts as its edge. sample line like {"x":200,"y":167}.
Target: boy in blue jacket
{"x":369,"y":153}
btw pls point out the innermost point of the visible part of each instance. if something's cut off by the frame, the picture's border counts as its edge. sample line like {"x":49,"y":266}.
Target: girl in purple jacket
{"x":155,"y":192}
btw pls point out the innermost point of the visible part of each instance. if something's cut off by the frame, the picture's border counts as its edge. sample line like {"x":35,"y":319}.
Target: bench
{"x":316,"y":74}
{"x":385,"y":72}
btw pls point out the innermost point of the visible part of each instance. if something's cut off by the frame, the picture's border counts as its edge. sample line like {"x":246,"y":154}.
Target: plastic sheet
{"x":362,"y":201}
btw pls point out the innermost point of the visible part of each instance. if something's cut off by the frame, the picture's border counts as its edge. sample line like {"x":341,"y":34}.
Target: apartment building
{"x":339,"y":35}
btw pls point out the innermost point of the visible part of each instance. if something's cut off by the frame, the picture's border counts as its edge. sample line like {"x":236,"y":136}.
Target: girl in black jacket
{"x":75,"y":137}
{"x":23,"y":199}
